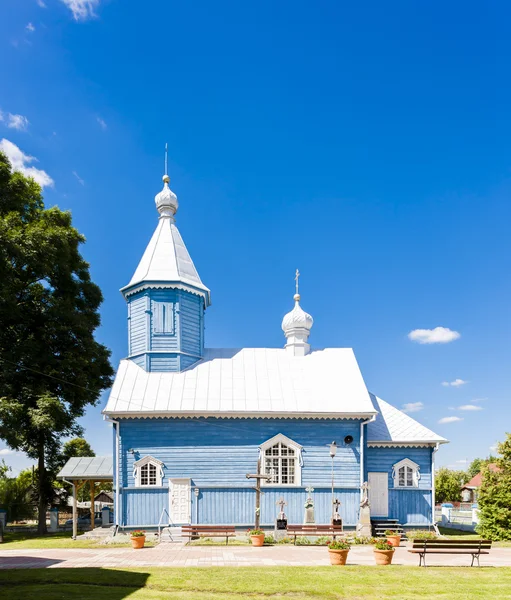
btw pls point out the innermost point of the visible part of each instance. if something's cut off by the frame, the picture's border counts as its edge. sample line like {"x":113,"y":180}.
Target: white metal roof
{"x":264,"y":382}
{"x":394,"y":426}
{"x":88,"y":467}
{"x":167,"y":260}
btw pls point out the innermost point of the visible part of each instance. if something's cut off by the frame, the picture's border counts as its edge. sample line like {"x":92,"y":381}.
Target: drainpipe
{"x":362,"y":444}
{"x":117,"y":470}
{"x":435,"y":449}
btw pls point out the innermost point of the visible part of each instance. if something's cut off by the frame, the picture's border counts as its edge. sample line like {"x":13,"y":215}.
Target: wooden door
{"x":180,"y":501}
{"x":379,"y":494}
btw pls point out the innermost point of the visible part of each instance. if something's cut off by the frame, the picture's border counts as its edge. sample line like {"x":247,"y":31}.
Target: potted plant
{"x":256,"y":536}
{"x":338,"y":551}
{"x":393,"y":538}
{"x":138,"y":538}
{"x":383,"y":552}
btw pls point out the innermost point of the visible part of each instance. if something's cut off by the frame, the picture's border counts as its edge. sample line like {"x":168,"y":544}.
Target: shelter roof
{"x":88,"y":467}
{"x":248,"y":382}
{"x":393,"y":426}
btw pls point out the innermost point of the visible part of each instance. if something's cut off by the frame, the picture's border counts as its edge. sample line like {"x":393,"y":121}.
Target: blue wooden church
{"x":191,"y":422}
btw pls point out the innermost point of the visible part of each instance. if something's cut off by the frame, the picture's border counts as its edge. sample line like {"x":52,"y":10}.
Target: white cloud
{"x":494,"y":448}
{"x":411,"y":407}
{"x":81,"y":9}
{"x":438,"y":335}
{"x":19,"y":161}
{"x":41,"y":3}
{"x":30,"y":28}
{"x":463,"y":461}
{"x":101,"y":122}
{"x":18,"y":122}
{"x":444,"y":420}
{"x":5,"y":451}
{"x":470,"y":407}
{"x":455,"y":383}
{"x":80,"y":180}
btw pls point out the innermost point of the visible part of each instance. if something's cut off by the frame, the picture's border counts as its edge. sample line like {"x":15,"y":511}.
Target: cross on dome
{"x":166,"y":200}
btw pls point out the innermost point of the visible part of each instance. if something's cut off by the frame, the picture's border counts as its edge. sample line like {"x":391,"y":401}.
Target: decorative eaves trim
{"x":147,"y":459}
{"x":418,"y":444}
{"x":280,"y":437}
{"x":241,"y":415}
{"x":147,"y":285}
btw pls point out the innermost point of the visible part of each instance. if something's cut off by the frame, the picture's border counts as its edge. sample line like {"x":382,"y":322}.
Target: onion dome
{"x":297,"y":318}
{"x":166,"y":200}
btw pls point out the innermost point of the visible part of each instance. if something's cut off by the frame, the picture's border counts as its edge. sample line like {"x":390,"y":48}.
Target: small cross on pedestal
{"x":309,"y":489}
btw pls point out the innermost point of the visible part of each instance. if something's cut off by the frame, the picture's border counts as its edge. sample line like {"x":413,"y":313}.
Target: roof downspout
{"x":362,"y":445}
{"x":117,"y":471}
{"x":435,"y":449}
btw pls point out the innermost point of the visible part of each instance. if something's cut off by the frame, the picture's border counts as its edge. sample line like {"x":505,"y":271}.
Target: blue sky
{"x":367,"y":144}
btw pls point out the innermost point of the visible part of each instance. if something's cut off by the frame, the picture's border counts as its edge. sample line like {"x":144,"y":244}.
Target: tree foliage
{"x":495,"y":496}
{"x":52,"y":367}
{"x":17,"y":496}
{"x":476,"y":466}
{"x":448,"y":484}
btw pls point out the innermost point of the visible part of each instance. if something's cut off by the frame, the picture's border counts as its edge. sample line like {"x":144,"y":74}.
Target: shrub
{"x":302,"y":541}
{"x":359,"y":540}
{"x":285,"y":540}
{"x":381,"y":544}
{"x":269,"y":539}
{"x":421,"y":534}
{"x":255,"y":532}
{"x":339,"y":545}
{"x":323,"y":540}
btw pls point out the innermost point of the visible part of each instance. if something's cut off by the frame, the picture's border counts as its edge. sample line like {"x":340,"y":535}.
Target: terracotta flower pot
{"x":383,"y":557}
{"x":138,"y":542}
{"x":338,"y":557}
{"x":394,"y":540}
{"x":257,"y":540}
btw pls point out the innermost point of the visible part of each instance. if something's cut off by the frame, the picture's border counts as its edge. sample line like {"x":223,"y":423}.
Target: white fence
{"x":453,"y":518}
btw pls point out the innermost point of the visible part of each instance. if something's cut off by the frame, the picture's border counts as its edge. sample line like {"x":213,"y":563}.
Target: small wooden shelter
{"x":80,"y":470}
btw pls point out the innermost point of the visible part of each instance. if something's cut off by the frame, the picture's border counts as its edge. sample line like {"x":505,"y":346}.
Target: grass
{"x":33,"y":541}
{"x":275,"y":583}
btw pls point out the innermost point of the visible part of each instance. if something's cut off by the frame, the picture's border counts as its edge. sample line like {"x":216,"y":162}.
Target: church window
{"x":281,"y":461}
{"x":163,"y":317}
{"x":406,"y":474}
{"x":148,"y":472}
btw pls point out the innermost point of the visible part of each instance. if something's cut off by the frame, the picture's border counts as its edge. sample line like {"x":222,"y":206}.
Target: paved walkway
{"x":170,"y":555}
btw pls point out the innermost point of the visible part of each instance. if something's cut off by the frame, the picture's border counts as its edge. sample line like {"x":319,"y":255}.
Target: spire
{"x":166,"y":200}
{"x":297,"y":325}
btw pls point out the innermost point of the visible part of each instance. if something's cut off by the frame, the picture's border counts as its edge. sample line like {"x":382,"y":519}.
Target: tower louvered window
{"x":163,"y":317}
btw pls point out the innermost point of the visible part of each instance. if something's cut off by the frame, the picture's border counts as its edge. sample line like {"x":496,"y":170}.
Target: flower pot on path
{"x":338,"y":557}
{"x":383,"y":557}
{"x":257,"y":540}
{"x":138,"y":542}
{"x":394,"y":540}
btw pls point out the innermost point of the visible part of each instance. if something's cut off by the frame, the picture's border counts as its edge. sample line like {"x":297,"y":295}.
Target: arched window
{"x":406,"y":474}
{"x":148,"y":472}
{"x":281,"y":459}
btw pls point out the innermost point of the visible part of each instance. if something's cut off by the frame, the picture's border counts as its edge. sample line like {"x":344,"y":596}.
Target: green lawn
{"x":272,"y":583}
{"x":32,"y":541}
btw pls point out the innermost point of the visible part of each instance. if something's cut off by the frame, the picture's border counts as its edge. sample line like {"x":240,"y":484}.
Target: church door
{"x":379,"y":494}
{"x":180,"y":501}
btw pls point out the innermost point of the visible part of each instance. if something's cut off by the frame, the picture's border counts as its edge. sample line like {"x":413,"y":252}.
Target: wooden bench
{"x":443,"y":546}
{"x":314,"y":531}
{"x":201,"y":531}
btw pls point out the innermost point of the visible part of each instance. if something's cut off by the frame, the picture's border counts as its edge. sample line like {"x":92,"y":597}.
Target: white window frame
{"x":282,"y":439}
{"x":137,"y":471}
{"x":406,"y":463}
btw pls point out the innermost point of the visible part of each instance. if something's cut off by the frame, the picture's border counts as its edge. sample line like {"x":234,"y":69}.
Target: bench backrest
{"x":452,"y":544}
{"x":306,"y":528}
{"x":206,"y":528}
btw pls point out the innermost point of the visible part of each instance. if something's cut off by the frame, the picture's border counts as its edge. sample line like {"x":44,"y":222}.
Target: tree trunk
{"x":41,"y":491}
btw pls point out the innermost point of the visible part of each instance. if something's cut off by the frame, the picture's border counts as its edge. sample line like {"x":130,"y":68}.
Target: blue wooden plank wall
{"x":191,"y":308}
{"x":236,"y":506}
{"x":410,"y":507}
{"x":221,"y":451}
{"x":383,"y":459}
{"x":144,"y":508}
{"x":137,"y":324}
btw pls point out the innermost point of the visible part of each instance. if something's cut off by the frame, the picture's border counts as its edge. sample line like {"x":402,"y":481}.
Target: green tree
{"x":476,"y":466}
{"x":495,"y":496}
{"x":17,"y":496}
{"x":52,"y":367}
{"x":448,"y":485}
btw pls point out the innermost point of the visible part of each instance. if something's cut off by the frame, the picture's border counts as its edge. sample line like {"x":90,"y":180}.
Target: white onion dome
{"x":166,"y":200}
{"x":297,"y":318}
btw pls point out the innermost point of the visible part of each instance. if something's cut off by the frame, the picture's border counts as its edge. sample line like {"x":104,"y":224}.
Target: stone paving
{"x":177,"y":555}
